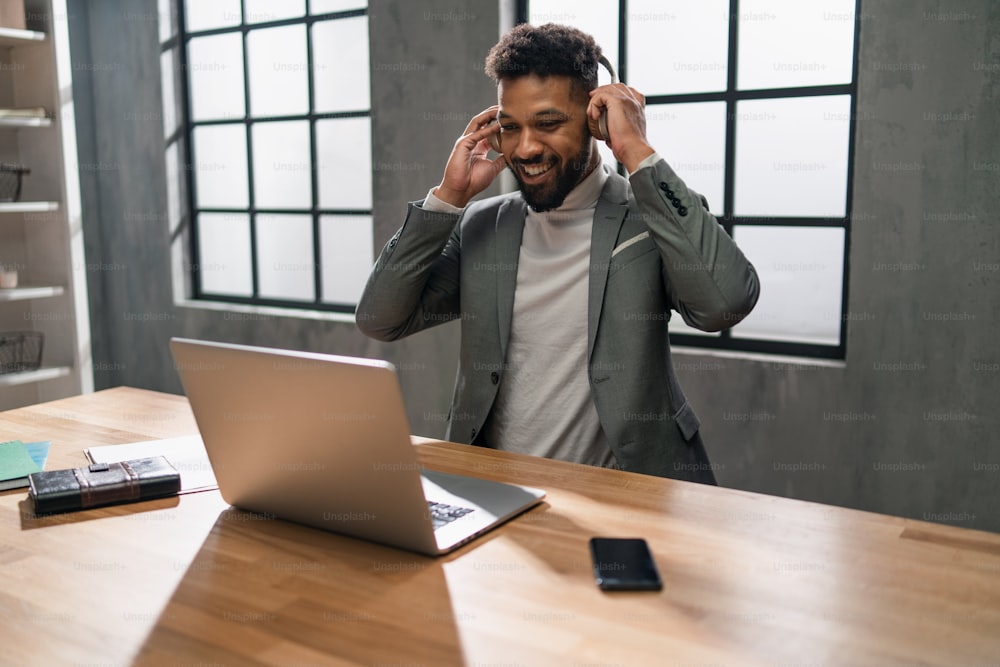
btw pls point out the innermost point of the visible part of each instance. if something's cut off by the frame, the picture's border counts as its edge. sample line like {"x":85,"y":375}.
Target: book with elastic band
{"x":102,"y":484}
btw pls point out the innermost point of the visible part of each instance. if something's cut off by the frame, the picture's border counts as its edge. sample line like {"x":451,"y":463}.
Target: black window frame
{"x":731,"y":96}
{"x":180,"y":41}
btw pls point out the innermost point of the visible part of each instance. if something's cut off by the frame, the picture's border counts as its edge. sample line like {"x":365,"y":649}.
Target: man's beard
{"x":546,"y":197}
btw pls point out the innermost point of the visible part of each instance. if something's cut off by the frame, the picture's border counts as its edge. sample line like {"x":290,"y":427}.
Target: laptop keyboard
{"x":443,"y":514}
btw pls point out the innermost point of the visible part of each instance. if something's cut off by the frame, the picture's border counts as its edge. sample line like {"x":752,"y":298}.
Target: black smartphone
{"x":624,"y":564}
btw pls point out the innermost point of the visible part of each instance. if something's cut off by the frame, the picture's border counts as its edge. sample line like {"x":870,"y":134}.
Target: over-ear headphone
{"x":598,"y":128}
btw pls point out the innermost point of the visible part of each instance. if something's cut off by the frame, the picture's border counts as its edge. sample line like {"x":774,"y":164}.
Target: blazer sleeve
{"x":711,"y":283}
{"x":414,"y":283}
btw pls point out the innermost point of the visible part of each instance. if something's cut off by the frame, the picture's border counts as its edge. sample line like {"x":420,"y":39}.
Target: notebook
{"x":324,"y":440}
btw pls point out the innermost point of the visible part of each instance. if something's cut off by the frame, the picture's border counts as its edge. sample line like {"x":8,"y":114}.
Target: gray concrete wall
{"x":907,"y":425}
{"x":426,"y":81}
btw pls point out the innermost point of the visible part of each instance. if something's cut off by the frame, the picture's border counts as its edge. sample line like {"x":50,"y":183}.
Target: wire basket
{"x":10,"y":181}
{"x":20,"y":351}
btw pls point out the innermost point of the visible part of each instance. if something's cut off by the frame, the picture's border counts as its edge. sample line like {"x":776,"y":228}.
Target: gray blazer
{"x":654,"y":247}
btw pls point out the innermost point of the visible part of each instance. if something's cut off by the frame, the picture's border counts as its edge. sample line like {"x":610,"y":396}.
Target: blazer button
{"x":473,"y":436}
{"x":664,"y":187}
{"x":682,"y":211}
{"x":495,"y":377}
{"x":676,"y":202}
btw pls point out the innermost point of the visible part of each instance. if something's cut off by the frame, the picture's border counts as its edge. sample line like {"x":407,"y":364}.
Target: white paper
{"x":187,"y":454}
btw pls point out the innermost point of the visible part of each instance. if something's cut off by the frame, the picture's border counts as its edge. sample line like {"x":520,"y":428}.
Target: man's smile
{"x":535,"y":172}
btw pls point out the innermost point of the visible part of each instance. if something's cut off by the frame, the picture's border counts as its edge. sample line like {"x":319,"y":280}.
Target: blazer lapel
{"x":510,"y":228}
{"x":608,"y":218}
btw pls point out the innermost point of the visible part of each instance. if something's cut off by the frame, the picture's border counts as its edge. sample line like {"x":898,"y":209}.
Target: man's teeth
{"x":537,"y":169}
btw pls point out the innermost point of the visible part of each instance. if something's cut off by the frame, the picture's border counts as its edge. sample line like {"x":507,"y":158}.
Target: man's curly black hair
{"x":547,"y":50}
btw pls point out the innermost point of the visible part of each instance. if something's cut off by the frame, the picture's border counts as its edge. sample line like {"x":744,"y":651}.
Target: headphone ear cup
{"x":495,"y":142}
{"x":599,"y":128}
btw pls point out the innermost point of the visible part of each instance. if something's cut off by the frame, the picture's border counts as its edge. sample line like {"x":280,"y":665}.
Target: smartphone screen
{"x":624,"y":564}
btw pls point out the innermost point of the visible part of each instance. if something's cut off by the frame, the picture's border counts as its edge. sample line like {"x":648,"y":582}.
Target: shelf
{"x":25,"y":377}
{"x":28,"y":206}
{"x":16,"y":37}
{"x":24,"y":293}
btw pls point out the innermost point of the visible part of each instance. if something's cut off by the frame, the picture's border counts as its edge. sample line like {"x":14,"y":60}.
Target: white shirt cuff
{"x":648,"y":162}
{"x":435,"y":205}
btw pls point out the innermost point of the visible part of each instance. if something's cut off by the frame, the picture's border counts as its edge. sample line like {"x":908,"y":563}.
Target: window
{"x":753,"y":103}
{"x":276,"y":126}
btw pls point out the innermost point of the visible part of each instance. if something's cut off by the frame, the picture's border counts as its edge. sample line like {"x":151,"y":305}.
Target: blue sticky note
{"x":38,"y":451}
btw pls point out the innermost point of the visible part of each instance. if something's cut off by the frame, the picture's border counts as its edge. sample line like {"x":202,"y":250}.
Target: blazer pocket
{"x":627,"y":251}
{"x":632,"y":241}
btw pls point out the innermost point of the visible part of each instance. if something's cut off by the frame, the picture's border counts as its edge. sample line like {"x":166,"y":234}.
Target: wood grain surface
{"x":748,"y":579}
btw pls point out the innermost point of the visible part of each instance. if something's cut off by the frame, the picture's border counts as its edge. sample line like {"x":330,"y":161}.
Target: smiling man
{"x":564,"y":289}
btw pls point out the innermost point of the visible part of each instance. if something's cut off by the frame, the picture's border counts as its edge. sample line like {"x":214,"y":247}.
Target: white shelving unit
{"x":41,"y":233}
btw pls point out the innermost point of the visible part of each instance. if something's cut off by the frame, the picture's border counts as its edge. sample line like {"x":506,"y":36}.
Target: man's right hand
{"x":469,"y":171}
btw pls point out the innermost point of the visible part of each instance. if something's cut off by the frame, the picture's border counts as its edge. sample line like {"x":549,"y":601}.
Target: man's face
{"x":544,"y":137}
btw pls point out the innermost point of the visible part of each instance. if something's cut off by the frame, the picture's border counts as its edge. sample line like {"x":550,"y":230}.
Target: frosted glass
{"x":279,"y":76}
{"x":224,"y":246}
{"x":220,"y":153}
{"x":341,"y":69}
{"x":204,"y":15}
{"x":326,"y":6}
{"x":167,"y":19}
{"x":174,"y":204}
{"x":599,"y":19}
{"x":347,"y":255}
{"x":167,"y":83}
{"x":787,"y":43}
{"x":282,"y":167}
{"x":285,"y":265}
{"x":262,"y":11}
{"x":791,"y":156}
{"x":801,"y":272}
{"x":215,"y":73}
{"x":678,"y":47}
{"x":344,"y":148}
{"x":692,"y":139}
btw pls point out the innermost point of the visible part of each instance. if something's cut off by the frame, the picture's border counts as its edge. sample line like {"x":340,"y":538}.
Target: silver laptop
{"x":324,"y":440}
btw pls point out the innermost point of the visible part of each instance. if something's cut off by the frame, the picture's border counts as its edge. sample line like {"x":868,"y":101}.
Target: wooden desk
{"x":749,"y":579}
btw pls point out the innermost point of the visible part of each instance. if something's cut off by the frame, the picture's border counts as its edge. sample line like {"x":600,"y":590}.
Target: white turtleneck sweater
{"x":544,"y":406}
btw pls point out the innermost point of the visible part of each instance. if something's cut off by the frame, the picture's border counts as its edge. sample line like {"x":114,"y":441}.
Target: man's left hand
{"x":626,"y":109}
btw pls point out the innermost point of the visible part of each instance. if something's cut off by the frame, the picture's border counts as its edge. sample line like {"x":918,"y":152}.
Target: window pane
{"x":787,"y":43}
{"x":174,"y":203}
{"x":276,"y":60}
{"x":167,"y":88}
{"x":220,"y":170}
{"x":341,"y":65}
{"x":285,"y":266}
{"x":791,"y":156}
{"x":282,"y":165}
{"x":325,"y":6}
{"x":692,"y":139}
{"x":676,"y":47}
{"x":224,"y":246}
{"x":801,"y":276}
{"x":262,"y":11}
{"x":348,"y":255}
{"x":202,"y":15}
{"x":215,"y":71}
{"x":599,"y":19}
{"x":344,"y":149}
{"x":167,"y":19}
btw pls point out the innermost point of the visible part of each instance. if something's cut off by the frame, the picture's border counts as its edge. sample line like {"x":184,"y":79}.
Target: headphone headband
{"x":607,"y":65}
